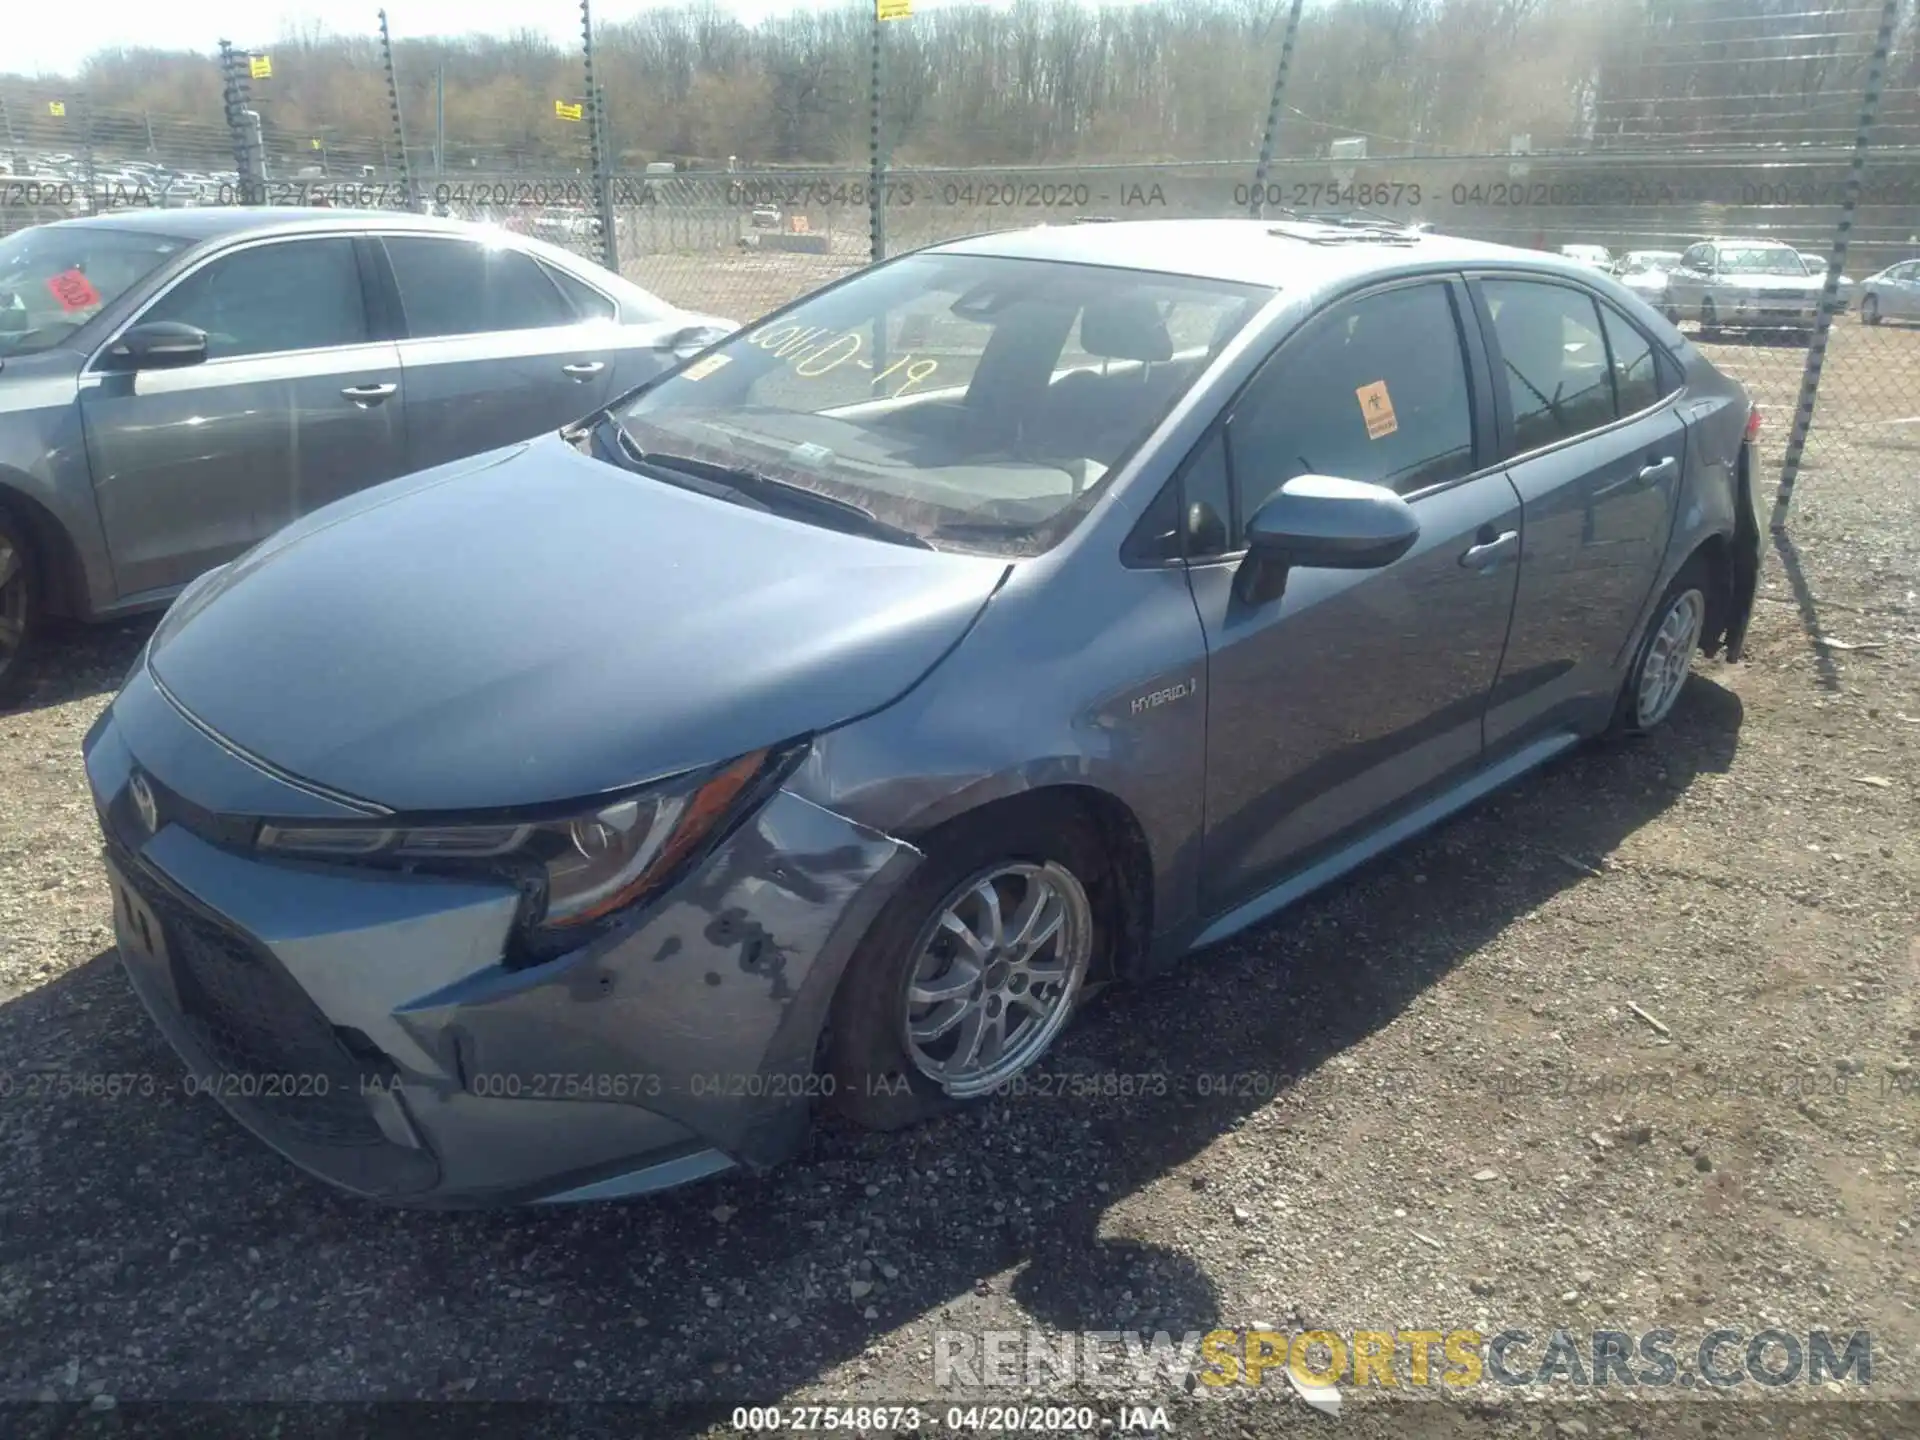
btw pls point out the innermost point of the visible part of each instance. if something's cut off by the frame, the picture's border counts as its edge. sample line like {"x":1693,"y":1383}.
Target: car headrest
{"x":1127,"y":328}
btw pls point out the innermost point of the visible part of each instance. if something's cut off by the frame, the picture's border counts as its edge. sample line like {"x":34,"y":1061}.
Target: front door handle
{"x":1489,"y":553}
{"x":366,"y":395}
{"x":583,"y":369}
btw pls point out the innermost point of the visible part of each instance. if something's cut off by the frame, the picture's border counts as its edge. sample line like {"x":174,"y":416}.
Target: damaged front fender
{"x":709,"y":1010}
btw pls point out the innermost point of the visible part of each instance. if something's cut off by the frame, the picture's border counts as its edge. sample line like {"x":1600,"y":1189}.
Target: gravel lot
{"x":1448,"y":1110}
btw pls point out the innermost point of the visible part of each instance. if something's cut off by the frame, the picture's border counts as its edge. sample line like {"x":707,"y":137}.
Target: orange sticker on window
{"x":73,"y":290}
{"x":1376,"y":408}
{"x":700,"y":369}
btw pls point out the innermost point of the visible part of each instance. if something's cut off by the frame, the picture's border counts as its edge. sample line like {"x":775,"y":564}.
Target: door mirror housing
{"x":694,"y":338}
{"x":157,"y":345}
{"x":1324,"y":523}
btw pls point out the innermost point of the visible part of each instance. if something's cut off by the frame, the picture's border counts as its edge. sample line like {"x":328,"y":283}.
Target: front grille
{"x":276,"y":1051}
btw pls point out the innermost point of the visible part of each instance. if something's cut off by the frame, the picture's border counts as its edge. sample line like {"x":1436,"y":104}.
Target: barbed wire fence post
{"x":597,"y":154}
{"x":239,"y":97}
{"x":88,"y":167}
{"x":876,"y":152}
{"x":1836,"y":259}
{"x":1270,"y":135}
{"x":410,"y":200}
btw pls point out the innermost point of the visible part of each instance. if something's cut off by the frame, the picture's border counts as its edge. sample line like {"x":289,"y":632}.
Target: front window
{"x":1760,"y":260}
{"x":978,"y":402}
{"x":55,"y":278}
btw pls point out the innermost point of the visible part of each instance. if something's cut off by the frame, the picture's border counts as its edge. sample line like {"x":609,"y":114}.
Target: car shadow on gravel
{"x":77,"y":661}
{"x":150,"y":1230}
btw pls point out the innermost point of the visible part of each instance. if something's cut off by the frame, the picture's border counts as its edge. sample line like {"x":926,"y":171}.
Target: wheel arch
{"x":60,"y":567}
{"x":1125,"y":892}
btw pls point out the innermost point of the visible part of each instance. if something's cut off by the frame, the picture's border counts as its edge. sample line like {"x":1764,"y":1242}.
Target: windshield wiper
{"x":767,"y":492}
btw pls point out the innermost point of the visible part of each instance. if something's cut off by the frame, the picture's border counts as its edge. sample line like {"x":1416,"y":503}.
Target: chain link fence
{"x":737,"y":163}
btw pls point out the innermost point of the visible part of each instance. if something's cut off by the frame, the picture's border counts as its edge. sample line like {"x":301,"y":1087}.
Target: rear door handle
{"x":584,"y":369}
{"x":1489,"y":553}
{"x":1659,"y":470}
{"x":365,"y":395}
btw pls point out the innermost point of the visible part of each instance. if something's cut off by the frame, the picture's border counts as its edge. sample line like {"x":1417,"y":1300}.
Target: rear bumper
{"x":364,"y":1025}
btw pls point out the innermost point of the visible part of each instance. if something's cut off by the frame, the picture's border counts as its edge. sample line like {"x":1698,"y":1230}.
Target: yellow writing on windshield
{"x":813,"y":351}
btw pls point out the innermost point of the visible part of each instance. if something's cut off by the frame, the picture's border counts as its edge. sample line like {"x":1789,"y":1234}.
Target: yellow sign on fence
{"x":894,"y":9}
{"x":260,"y":67}
{"x":56,"y":107}
{"x":568,"y":112}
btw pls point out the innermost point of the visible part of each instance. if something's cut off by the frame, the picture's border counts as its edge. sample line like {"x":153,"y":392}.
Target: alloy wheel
{"x":1669,"y":657}
{"x":996,"y":975}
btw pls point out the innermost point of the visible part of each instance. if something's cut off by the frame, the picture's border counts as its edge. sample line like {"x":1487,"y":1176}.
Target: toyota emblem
{"x":143,"y":802}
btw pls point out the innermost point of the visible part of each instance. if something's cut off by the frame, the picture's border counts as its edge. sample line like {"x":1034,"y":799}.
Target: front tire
{"x":1665,"y":658}
{"x":970,"y":974}
{"x":1709,"y":320}
{"x":21,"y":617}
{"x":1870,"y":310}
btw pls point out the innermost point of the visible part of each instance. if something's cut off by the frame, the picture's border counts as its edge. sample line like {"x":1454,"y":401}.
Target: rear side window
{"x":1554,"y":360}
{"x":588,"y":303}
{"x":455,"y":287}
{"x":1637,"y":381}
{"x":1374,"y":390}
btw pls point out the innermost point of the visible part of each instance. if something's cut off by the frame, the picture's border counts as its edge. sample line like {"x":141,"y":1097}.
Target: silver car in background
{"x":1744,"y":285}
{"x":176,"y":385}
{"x":1893,"y":294}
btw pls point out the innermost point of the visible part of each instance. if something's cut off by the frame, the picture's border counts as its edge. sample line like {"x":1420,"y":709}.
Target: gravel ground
{"x":1628,"y":1046}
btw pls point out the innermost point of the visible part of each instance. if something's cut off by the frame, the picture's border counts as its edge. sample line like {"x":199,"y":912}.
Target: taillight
{"x":1753,"y":423}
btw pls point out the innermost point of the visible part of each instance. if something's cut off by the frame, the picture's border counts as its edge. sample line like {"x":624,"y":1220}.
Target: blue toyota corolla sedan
{"x":821,"y":723}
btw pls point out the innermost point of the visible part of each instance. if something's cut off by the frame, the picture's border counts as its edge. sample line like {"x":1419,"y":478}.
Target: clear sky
{"x":42,"y":38}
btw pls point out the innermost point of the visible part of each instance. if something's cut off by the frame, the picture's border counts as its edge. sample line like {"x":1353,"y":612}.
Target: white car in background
{"x":1597,"y":256}
{"x":1817,"y":267}
{"x":1645,"y":272}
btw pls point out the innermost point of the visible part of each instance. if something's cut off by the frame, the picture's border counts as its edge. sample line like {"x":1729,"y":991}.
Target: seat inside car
{"x":1088,"y":414}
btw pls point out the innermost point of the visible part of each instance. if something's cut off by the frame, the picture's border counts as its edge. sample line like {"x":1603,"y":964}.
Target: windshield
{"x":978,"y":402}
{"x":55,"y":278}
{"x":1758,"y":260}
{"x":1642,"y":262}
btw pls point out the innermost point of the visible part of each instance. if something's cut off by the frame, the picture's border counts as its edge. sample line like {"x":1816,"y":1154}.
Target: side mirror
{"x":695,"y":337}
{"x":1324,"y":523}
{"x":158,"y":345}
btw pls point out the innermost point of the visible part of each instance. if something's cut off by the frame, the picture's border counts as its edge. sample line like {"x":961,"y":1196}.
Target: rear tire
{"x":896,"y":1060}
{"x":1664,"y":660}
{"x":21,"y":600}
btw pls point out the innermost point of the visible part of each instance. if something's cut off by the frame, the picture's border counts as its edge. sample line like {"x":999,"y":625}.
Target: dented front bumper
{"x":364,"y":1023}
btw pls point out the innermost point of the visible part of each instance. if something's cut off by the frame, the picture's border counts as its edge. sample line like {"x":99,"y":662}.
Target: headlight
{"x":589,"y":865}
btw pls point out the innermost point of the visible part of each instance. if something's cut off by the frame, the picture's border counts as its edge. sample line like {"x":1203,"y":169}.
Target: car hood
{"x":535,"y":625}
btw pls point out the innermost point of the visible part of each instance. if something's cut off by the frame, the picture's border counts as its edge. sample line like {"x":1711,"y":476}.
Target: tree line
{"x":1049,"y":81}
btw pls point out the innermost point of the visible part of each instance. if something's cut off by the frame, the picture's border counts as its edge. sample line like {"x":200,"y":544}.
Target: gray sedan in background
{"x":823,"y":722}
{"x":1892,"y":294}
{"x":175,"y":385}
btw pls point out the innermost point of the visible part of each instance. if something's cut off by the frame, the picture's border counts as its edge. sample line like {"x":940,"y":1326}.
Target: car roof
{"x":210,"y":222}
{"x":1282,"y":254}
